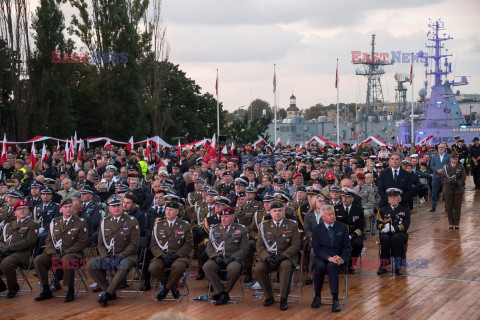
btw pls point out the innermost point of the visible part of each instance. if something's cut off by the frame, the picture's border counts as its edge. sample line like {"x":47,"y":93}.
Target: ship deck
{"x":448,"y":288}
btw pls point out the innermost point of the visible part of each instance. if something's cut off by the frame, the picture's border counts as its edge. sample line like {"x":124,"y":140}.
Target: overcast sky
{"x":243,"y":40}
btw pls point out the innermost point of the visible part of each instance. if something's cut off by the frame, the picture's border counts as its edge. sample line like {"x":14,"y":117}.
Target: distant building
{"x":292,"y":110}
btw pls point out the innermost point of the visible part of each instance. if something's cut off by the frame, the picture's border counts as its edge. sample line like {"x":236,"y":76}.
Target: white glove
{"x":350,"y":237}
{"x":41,"y":230}
{"x":462,"y":161}
{"x":384,"y":230}
{"x":392,"y":229}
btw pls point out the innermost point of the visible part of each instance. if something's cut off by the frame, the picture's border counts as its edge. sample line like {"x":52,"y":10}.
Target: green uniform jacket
{"x":179,"y":238}
{"x":20,"y":237}
{"x":236,"y":241}
{"x":287,"y":238}
{"x":74,"y":236}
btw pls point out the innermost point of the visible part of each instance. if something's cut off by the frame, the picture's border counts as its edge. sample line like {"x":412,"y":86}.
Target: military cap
{"x":87,"y":189}
{"x":279,"y":181}
{"x":20,"y":203}
{"x":335,"y":188}
{"x":95,"y":176}
{"x":226,"y":173}
{"x":298,"y":174}
{"x":47,"y":190}
{"x":360,"y":176}
{"x":199,"y":180}
{"x":222,"y":200}
{"x":330,"y":177}
{"x":114,"y":200}
{"x":111,"y":168}
{"x":49,"y":181}
{"x":15,"y":193}
{"x":212,"y":192}
{"x":163,"y":173}
{"x":378,"y":165}
{"x":394,"y":192}
{"x":456,"y":137}
{"x":461,"y":140}
{"x":205,"y":188}
{"x":172,"y":204}
{"x":36,"y":184}
{"x":276,"y":205}
{"x":171,"y":197}
{"x":167,"y":183}
{"x":250,"y":189}
{"x":280,"y":196}
{"x":268,"y":198}
{"x":241,"y":182}
{"x":373,"y":157}
{"x":414,"y":155}
{"x":313,"y":190}
{"x":475,"y":139}
{"x":241,"y":194}
{"x":454,"y":155}
{"x":302,"y":188}
{"x":228,"y":211}
{"x":347,"y":192}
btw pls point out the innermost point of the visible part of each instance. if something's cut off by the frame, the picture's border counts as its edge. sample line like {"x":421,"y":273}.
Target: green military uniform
{"x":116,"y":241}
{"x":65,"y":240}
{"x":258,"y":218}
{"x":226,"y":244}
{"x":6,"y":214}
{"x":171,"y":247}
{"x":20,"y":237}
{"x":273,"y":242}
{"x":453,"y":190}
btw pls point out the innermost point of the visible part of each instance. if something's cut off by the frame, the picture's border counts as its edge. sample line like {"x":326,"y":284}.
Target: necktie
{"x":346,"y":210}
{"x":330,"y":234}
{"x":65,"y":223}
{"x":395,"y":175}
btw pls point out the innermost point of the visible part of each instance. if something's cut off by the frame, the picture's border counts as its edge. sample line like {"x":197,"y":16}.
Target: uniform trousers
{"x":262,"y":273}
{"x":9,"y":265}
{"x":97,"y":267}
{"x":211,"y":269}
{"x":169,"y":278}
{"x":454,"y":208}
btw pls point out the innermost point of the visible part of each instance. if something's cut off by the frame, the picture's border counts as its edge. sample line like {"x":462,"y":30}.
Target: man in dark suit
{"x":352,"y":215}
{"x":394,"y":177}
{"x":439,"y":160}
{"x":331,"y":245}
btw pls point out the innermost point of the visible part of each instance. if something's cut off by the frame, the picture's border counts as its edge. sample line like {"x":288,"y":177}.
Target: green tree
{"x":244,"y":131}
{"x":257,"y":107}
{"x":315,"y":111}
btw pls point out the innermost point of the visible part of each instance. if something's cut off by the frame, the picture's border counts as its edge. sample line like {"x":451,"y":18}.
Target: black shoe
{"x":308,"y":281}
{"x":223,"y":298}
{"x":175,"y":293}
{"x":381,"y":271}
{"x":317,"y":301}
{"x":70,"y":295}
{"x":283,"y":304}
{"x":398,"y":272}
{"x":45,"y":294}
{"x":3,"y":287}
{"x":457,"y":227}
{"x":200,"y":275}
{"x":248,"y":278}
{"x":451,"y":227}
{"x":163,"y":294}
{"x":13,"y":292}
{"x":55,"y":286}
{"x":215,"y":297}
{"x":335,"y":306}
{"x":351,"y":270}
{"x":103,"y":300}
{"x":97,"y":289}
{"x":268,"y":302}
{"x":146,"y":286}
{"x":433,"y":209}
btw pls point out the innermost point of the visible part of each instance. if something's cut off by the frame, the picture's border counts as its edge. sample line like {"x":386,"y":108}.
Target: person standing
{"x":439,"y":160}
{"x":454,"y":176}
{"x":475,"y":155}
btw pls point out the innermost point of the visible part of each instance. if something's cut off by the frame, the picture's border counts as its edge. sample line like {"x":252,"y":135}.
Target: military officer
{"x":194,"y":198}
{"x":43,"y":214}
{"x":245,"y":214}
{"x":91,"y":208}
{"x":3,"y":192}
{"x":475,"y":156}
{"x":171,"y":243}
{"x":352,"y":216}
{"x":66,"y":240}
{"x":259,"y":216}
{"x":251,"y":193}
{"x":34,"y":198}
{"x":393,"y":221}
{"x":118,"y":240}
{"x":278,"y":245}
{"x":300,"y":199}
{"x":454,"y":176}
{"x":6,"y":212}
{"x":220,"y":203}
{"x":368,"y":198}
{"x":462,"y":151}
{"x":227,"y":249}
{"x":16,"y":245}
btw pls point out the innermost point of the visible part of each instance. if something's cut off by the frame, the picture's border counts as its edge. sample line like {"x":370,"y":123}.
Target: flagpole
{"x":412,"y":122}
{"x":275,"y":101}
{"x":338,"y":109}
{"x":218,"y":111}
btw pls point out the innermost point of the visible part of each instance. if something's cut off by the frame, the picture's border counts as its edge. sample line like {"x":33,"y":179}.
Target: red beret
{"x":360,"y":176}
{"x":298,"y":174}
{"x":228,"y":211}
{"x":330,"y":176}
{"x":226,"y":173}
{"x":20,"y":203}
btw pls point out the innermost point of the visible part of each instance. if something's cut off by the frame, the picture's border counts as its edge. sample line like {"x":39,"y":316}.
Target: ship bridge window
{"x":282,"y":129}
{"x":294,"y":129}
{"x":287,"y":129}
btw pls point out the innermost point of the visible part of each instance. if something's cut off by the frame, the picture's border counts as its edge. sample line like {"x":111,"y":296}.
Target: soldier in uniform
{"x":251,"y":193}
{"x":300,"y":199}
{"x":278,"y":245}
{"x":454,"y":176}
{"x":352,"y":216}
{"x":195,"y":198}
{"x":118,"y":240}
{"x":335,"y":193}
{"x":3,"y":192}
{"x":197,"y":217}
{"x":66,"y":240}
{"x":227,"y":248}
{"x":16,"y":245}
{"x":171,"y":243}
{"x":43,"y":214}
{"x":91,"y":208}
{"x":220,"y":203}
{"x":368,"y":198}
{"x":393,"y":221}
{"x":6,"y":212}
{"x":34,"y":198}
{"x":259,"y":216}
{"x":475,"y":155}
{"x":245,"y":214}
{"x":462,"y":152}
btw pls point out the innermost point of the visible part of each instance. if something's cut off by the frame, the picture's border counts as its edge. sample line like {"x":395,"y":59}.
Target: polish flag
{"x":108,"y":145}
{"x":157,"y":147}
{"x":216,"y":85}
{"x":58,"y":145}
{"x":278,"y":143}
{"x":71,"y":151}
{"x":231,"y":149}
{"x":211,"y":154}
{"x":274,"y":80}
{"x":4,"y":149}
{"x":129,"y":145}
{"x":33,"y":157}
{"x":411,"y":73}
{"x":224,"y":150}
{"x":44,"y":152}
{"x":65,"y":156}
{"x":147,"y":149}
{"x":75,"y":140}
{"x":336,"y":76}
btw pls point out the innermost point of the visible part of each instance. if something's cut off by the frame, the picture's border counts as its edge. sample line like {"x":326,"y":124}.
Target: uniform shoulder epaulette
{"x":131,"y":217}
{"x":264,"y":221}
{"x":81,"y":219}
{"x":294,"y":221}
{"x":241,"y":225}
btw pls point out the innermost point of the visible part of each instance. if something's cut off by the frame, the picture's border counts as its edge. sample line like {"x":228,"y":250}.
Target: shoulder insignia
{"x":131,"y":217}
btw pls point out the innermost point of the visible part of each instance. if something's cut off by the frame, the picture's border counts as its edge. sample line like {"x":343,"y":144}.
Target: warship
{"x":436,"y":111}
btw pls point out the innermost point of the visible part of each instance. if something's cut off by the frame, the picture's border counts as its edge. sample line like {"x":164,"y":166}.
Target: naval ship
{"x":436,"y":110}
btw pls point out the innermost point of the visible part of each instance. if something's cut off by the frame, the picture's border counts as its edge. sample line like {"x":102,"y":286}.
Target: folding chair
{"x":233,"y":299}
{"x":137,"y":269}
{"x":295,"y":281}
{"x":182,"y":283}
{"x":24,"y":274}
{"x":391,"y":260}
